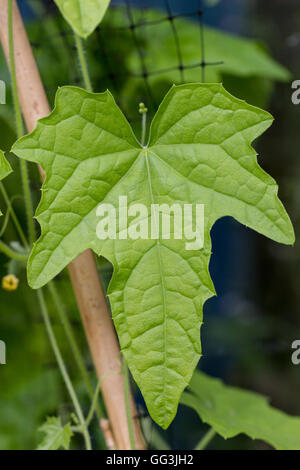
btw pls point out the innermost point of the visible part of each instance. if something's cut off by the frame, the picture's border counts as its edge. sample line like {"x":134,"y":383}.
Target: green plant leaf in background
{"x":5,"y":168}
{"x":228,"y":57}
{"x":212,"y":3}
{"x":234,"y":55}
{"x":83,"y":15}
{"x":57,"y":435}
{"x":199,"y":152}
{"x":232,"y":411}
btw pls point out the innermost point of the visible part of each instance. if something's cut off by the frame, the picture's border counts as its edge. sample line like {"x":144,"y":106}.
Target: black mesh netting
{"x":138,"y":52}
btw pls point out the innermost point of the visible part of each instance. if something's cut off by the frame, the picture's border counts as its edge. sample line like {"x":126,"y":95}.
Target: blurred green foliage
{"x":232,"y":411}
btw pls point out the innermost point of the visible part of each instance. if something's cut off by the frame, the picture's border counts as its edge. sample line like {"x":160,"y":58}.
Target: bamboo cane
{"x":88,"y":290}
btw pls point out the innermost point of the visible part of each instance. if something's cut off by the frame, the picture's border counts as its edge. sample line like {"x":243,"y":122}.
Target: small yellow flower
{"x":10,"y":282}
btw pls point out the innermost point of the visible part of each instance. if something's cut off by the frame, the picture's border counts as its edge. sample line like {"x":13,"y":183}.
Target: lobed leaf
{"x":199,"y":152}
{"x":83,"y":15}
{"x":57,"y":435}
{"x":232,"y":411}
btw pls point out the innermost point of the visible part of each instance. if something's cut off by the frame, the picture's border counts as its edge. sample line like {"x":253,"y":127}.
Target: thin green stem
{"x":13,"y":216}
{"x":94,"y":405}
{"x":144,"y":128}
{"x":143,"y":111}
{"x":6,"y":218}
{"x":73,"y":344}
{"x":127,"y":404}
{"x":83,"y":63}
{"x":28,"y":200}
{"x":18,"y":114}
{"x":11,"y":253}
{"x":63,"y":369}
{"x":5,"y":223}
{"x":19,"y":125}
{"x":206,"y":439}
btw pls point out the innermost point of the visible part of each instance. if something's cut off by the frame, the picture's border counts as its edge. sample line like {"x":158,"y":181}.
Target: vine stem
{"x":93,"y":408}
{"x":128,"y":404}
{"x":206,"y":439}
{"x":19,"y":125}
{"x":83,"y":63}
{"x":11,"y":253}
{"x":63,"y":369}
{"x":18,"y":115}
{"x":144,"y":128}
{"x":74,"y":346}
{"x":13,"y":216}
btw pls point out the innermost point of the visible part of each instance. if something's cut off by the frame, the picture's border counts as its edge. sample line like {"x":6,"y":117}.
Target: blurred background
{"x":141,"y":48}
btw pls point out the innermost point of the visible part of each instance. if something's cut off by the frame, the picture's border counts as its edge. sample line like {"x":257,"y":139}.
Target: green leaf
{"x":224,"y":53}
{"x":5,"y":168}
{"x":83,"y":15}
{"x":199,"y":152}
{"x":232,"y":411}
{"x":57,"y":436}
{"x":212,"y":3}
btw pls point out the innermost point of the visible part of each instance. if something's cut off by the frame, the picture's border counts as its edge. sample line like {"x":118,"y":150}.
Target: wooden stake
{"x":91,"y":300}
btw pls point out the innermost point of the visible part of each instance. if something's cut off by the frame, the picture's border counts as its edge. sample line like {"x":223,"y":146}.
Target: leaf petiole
{"x":206,"y":439}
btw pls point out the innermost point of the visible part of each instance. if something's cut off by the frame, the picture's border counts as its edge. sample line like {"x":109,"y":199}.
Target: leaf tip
{"x":165,"y":422}
{"x":291,"y":239}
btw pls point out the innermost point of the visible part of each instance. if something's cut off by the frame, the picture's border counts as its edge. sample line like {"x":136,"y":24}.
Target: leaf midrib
{"x":160,"y":267}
